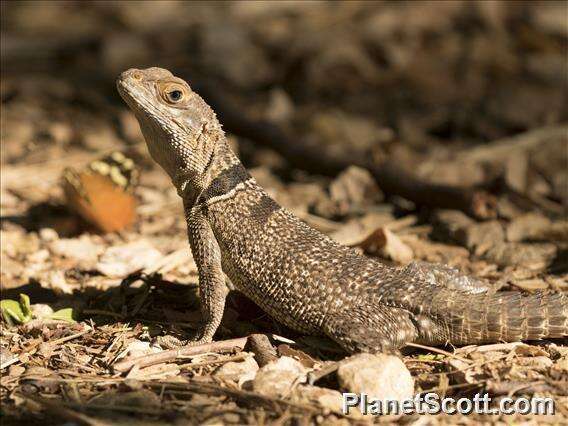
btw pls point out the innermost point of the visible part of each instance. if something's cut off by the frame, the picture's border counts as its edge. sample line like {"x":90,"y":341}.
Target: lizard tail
{"x":509,"y":317}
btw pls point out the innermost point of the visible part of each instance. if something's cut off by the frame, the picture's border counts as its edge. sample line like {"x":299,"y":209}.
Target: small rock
{"x":277,"y":378}
{"x":121,"y":261}
{"x":524,"y":350}
{"x":306,"y":360}
{"x":550,"y":18}
{"x":379,"y":376}
{"x":507,"y":209}
{"x":451,"y":221}
{"x":343,"y":61}
{"x":238,"y":371}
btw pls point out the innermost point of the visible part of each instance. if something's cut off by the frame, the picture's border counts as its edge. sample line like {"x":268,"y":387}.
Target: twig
{"x":170,"y":355}
{"x":439,"y":351}
{"x":71,"y":337}
{"x":492,"y":347}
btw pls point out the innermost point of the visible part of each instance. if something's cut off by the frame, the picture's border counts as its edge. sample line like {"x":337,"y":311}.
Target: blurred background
{"x":339,"y":109}
{"x":412,"y":82}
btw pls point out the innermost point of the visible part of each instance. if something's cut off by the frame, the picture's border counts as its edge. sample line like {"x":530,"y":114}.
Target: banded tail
{"x":505,"y":316}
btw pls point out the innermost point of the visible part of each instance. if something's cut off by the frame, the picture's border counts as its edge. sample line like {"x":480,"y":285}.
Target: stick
{"x":165,"y":356}
{"x":439,"y":351}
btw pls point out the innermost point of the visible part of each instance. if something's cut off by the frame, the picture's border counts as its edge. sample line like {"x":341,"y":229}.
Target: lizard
{"x":299,"y":276}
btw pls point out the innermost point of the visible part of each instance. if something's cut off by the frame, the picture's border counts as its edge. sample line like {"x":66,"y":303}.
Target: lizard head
{"x":180,"y":129}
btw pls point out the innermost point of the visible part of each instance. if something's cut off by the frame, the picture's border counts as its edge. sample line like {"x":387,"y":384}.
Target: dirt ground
{"x":414,"y":131}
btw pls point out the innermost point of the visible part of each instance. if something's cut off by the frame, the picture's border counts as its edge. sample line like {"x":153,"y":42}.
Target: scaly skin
{"x":301,"y":277}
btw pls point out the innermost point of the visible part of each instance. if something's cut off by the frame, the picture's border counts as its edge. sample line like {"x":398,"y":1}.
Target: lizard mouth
{"x":137,"y":96}
{"x":125,"y":90}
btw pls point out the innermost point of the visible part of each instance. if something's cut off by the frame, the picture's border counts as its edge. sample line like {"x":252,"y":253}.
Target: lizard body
{"x":298,"y":275}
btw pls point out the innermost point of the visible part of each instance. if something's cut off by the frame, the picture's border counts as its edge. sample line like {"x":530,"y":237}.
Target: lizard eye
{"x":175,"y":95}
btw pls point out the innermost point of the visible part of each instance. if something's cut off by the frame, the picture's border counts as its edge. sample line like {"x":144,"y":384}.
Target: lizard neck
{"x":221,"y":174}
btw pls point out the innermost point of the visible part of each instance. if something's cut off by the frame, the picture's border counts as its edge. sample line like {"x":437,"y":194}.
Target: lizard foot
{"x":171,"y":342}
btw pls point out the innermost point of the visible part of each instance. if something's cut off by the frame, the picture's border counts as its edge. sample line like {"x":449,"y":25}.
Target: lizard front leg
{"x":212,"y":288}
